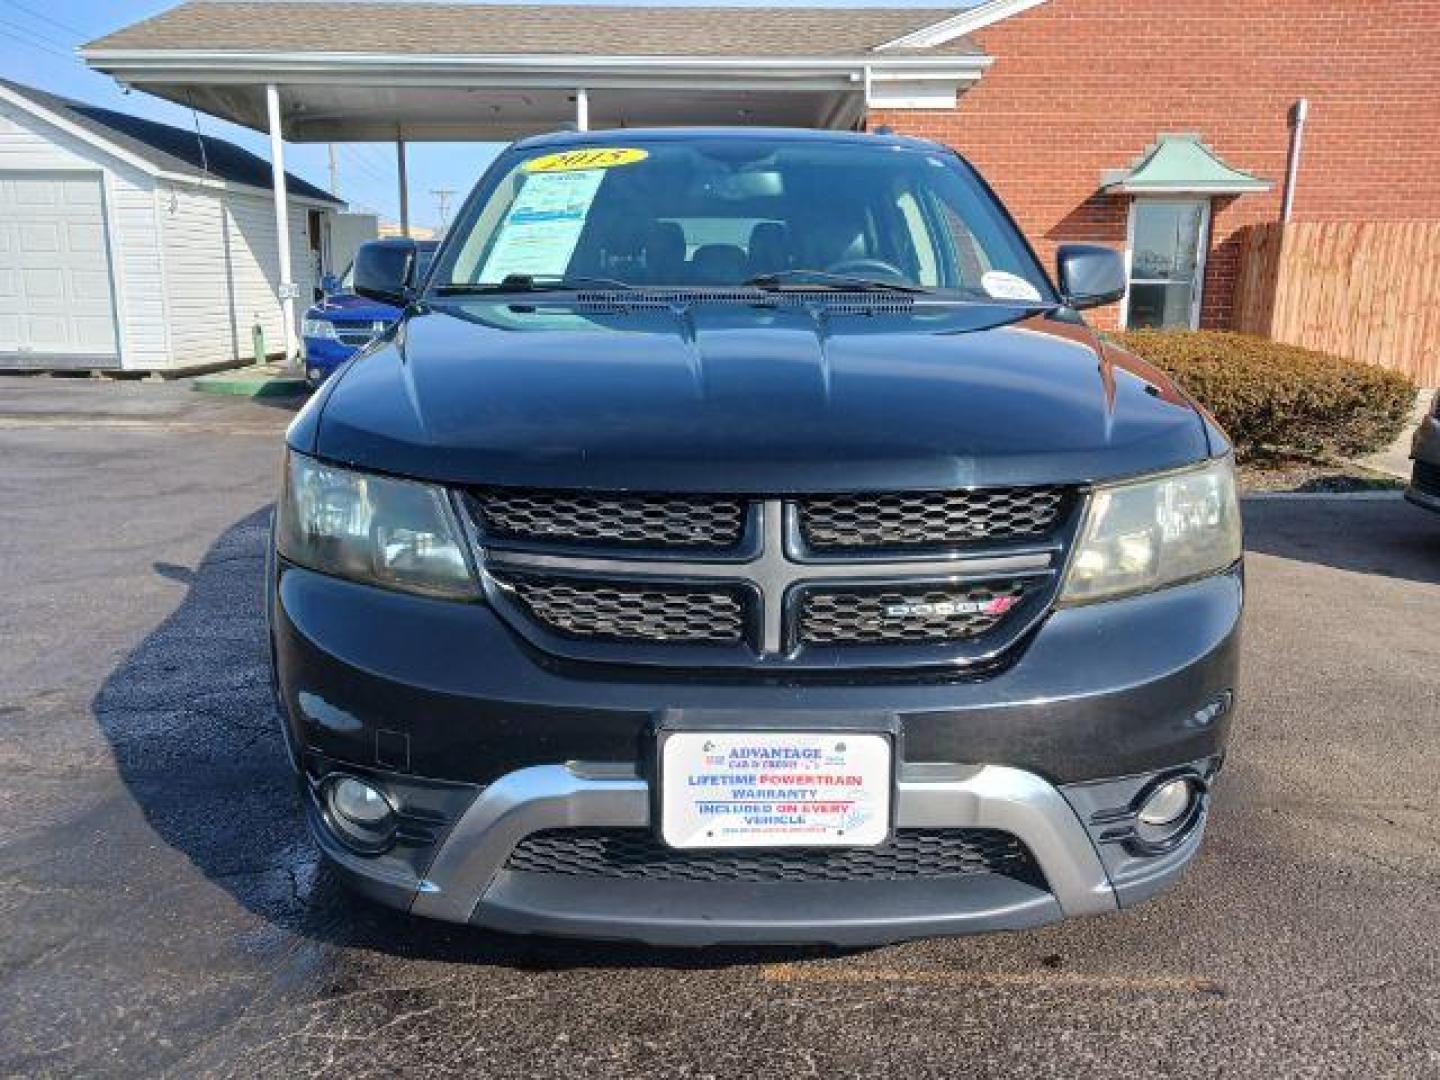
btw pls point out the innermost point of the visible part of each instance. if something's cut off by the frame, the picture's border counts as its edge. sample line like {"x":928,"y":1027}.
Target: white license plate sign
{"x":774,"y":789}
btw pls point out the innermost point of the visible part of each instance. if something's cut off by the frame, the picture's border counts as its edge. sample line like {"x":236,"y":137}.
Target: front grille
{"x":929,"y":519}
{"x":655,"y":521}
{"x":357,"y":334}
{"x":616,"y":611}
{"x":1426,"y":478}
{"x":895,"y":616}
{"x":638,"y":854}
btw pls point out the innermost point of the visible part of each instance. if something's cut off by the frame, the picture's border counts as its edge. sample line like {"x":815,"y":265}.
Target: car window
{"x":720,"y":212}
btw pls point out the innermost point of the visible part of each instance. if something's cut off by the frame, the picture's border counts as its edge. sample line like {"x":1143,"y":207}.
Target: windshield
{"x":424,"y":256}
{"x":723,"y":212}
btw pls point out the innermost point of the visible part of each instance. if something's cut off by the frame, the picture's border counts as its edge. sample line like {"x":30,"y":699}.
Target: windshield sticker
{"x":540,"y":233}
{"x":575,"y":160}
{"x":1005,"y":286}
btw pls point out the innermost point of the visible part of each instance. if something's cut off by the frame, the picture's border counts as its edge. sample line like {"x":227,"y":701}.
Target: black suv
{"x":741,"y":538}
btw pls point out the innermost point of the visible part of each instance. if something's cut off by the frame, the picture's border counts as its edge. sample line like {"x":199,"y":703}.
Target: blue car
{"x":337,"y":327}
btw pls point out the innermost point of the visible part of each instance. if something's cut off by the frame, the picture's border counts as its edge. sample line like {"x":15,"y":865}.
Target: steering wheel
{"x":873,"y":268}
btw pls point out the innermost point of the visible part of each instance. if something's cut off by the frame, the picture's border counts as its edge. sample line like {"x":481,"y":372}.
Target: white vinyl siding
{"x":255,"y":266}
{"x":198,"y":283}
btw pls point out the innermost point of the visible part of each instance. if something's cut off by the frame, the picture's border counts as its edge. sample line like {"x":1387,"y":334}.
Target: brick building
{"x":1162,"y":127}
{"x":1082,"y":87}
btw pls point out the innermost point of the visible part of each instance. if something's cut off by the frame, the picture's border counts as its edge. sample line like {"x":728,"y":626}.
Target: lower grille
{"x":895,"y":616}
{"x":911,"y":854}
{"x":1426,"y":478}
{"x":614,"y":611}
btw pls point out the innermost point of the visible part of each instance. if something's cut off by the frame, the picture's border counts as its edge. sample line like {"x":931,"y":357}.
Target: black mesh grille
{"x":910,"y":854}
{"x":656,"y":521}
{"x":357,"y":333}
{"x":1426,"y":478}
{"x":617,"y":611}
{"x":896,"y":616}
{"x":929,"y":519}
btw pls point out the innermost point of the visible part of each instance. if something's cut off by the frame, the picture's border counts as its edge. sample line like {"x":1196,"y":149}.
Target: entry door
{"x":1168,"y":238}
{"x":56,"y":302}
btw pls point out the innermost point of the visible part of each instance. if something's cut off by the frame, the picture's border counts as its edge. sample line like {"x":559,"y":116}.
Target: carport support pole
{"x":282,"y":220}
{"x":582,"y":109}
{"x":404,"y":177}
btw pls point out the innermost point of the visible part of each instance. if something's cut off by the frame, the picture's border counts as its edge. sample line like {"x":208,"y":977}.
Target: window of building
{"x":1166,"y":254}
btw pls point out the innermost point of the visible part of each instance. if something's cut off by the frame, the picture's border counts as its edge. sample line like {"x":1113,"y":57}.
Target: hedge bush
{"x":1273,"y":397}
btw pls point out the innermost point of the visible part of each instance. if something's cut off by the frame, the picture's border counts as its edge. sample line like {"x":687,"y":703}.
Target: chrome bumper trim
{"x":949,"y":796}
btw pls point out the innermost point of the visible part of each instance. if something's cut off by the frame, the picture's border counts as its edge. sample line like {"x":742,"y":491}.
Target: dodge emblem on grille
{"x":997,"y":606}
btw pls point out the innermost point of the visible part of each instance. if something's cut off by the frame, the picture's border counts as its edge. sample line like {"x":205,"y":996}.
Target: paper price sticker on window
{"x":1006,"y":286}
{"x":607,"y":157}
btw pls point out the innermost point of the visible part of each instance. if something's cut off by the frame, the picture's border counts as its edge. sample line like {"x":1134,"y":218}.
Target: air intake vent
{"x":911,"y":854}
{"x":646,"y":521}
{"x":620,"y":611}
{"x":929,"y":519}
{"x":836,"y":302}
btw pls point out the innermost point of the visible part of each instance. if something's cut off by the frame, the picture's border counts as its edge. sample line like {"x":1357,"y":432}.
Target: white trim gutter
{"x":967,"y":22}
{"x":262,"y":64}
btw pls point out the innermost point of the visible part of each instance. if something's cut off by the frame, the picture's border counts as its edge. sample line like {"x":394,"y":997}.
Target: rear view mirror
{"x":1090,"y":275}
{"x":385,"y":271}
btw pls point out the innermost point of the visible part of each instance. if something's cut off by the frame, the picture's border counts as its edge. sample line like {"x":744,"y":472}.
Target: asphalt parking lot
{"x":164,"y":912}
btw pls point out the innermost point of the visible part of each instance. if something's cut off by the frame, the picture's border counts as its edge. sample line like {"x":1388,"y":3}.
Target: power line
{"x":40,"y":41}
{"x":364,"y":167}
{"x":43,"y":17}
{"x":442,"y":202}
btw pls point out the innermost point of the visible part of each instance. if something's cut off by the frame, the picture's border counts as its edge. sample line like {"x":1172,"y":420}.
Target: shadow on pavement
{"x":191,"y":721}
{"x":1386,"y":537}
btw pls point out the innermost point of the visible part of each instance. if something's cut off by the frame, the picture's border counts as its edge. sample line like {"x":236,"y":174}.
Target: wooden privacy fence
{"x":1365,"y":290}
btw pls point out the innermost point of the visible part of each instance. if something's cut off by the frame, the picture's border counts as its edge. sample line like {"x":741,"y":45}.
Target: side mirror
{"x":1090,"y":276}
{"x":385,"y":270}
{"x":329,"y":285}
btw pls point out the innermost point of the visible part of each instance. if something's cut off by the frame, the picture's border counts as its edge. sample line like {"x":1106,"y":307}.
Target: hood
{"x":345,"y":305}
{"x":750,"y":399}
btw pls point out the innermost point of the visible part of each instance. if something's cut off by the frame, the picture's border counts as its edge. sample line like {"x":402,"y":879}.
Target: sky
{"x":37,"y":43}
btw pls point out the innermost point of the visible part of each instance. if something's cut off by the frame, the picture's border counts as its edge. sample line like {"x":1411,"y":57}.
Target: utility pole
{"x":442,"y":201}
{"x":334,"y":173}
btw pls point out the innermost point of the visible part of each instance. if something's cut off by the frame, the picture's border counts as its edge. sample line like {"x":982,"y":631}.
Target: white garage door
{"x":56,"y":304}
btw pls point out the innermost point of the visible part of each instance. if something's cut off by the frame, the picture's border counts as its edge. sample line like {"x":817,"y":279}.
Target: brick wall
{"x":1081,"y":86}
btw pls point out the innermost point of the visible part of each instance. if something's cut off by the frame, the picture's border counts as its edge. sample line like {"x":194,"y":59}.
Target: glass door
{"x":1168,"y":238}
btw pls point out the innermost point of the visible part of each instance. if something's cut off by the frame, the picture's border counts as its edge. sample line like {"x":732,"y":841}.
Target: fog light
{"x":1168,"y":803}
{"x":360,"y":815}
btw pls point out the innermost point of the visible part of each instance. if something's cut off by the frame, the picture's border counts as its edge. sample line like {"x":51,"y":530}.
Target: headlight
{"x":396,"y":533}
{"x":1146,"y":534}
{"x":318,"y":328}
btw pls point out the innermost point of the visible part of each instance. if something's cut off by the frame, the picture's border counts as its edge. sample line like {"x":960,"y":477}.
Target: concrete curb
{"x":1391,"y":494}
{"x":251,"y":382}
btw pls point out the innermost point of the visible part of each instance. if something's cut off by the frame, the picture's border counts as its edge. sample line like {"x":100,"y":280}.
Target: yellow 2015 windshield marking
{"x":606,"y":157}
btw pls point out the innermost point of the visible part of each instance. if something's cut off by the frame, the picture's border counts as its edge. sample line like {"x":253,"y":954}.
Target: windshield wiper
{"x":777,"y":279}
{"x":522,"y":283}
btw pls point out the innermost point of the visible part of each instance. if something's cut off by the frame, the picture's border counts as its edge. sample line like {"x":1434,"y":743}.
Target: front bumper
{"x":1071,"y":833}
{"x":1424,"y":489}
{"x":481,"y":742}
{"x":323,"y":356}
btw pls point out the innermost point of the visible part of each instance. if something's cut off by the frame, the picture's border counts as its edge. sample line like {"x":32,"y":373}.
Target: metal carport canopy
{"x":337,"y":72}
{"x":369,"y":71}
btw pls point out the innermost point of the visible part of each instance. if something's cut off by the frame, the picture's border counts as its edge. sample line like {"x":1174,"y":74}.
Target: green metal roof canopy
{"x":1181,"y":164}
